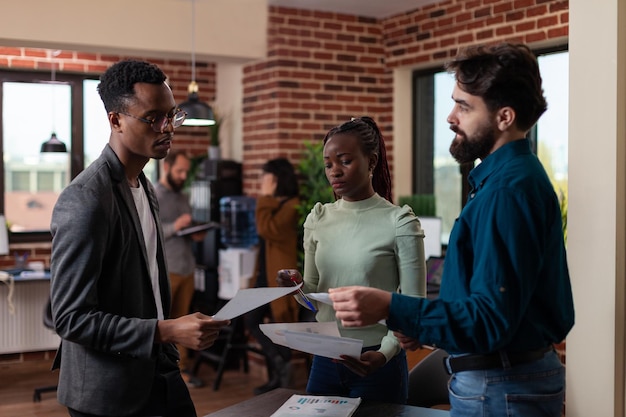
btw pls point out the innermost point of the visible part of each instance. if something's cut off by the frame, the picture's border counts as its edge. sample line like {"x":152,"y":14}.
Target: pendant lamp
{"x":53,"y":144}
{"x":198,"y":112}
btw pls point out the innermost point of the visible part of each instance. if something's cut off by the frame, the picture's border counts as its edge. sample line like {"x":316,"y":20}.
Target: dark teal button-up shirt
{"x":505,"y":281}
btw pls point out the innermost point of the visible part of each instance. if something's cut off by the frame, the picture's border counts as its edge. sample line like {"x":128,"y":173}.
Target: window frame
{"x":75,"y":81}
{"x":423,"y":129}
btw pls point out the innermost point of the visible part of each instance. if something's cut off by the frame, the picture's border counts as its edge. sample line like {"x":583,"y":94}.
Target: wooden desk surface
{"x":265,"y":404}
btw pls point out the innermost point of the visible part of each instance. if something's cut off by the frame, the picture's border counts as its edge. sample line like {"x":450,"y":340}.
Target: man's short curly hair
{"x":503,"y":75}
{"x":117,"y":83}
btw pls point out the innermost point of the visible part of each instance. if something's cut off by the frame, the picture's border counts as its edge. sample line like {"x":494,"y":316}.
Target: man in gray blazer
{"x":110,"y":292}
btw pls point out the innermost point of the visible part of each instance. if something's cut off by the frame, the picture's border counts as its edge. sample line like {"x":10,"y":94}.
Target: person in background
{"x":505,"y":293}
{"x":361,"y":239}
{"x":109,"y":289}
{"x":276,"y":218}
{"x":175,"y":215}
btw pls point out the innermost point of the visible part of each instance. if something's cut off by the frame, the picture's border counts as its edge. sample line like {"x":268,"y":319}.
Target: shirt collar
{"x":494,"y":161}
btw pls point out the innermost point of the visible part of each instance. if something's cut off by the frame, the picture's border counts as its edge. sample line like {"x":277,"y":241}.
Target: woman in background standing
{"x":276,"y":219}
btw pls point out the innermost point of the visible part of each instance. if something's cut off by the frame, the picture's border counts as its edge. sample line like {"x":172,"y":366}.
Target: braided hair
{"x":366,"y":130}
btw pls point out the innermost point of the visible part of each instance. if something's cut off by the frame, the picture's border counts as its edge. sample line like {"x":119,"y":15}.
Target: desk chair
{"x":231,"y":344}
{"x":47,"y":321}
{"x":428,"y":381}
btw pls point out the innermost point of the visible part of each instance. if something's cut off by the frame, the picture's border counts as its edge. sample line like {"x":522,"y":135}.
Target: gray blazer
{"x":101,"y":295}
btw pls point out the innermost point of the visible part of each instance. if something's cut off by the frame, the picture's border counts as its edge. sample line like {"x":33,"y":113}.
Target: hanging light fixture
{"x":53,"y":144}
{"x":198,"y":113}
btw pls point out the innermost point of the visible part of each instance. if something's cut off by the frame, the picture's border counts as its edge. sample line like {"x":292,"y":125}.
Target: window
{"x":31,"y":109}
{"x":436,"y":172}
{"x":31,"y":113}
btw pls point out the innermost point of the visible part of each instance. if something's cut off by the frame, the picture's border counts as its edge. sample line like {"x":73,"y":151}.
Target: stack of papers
{"x":322,"y":339}
{"x":313,"y":405}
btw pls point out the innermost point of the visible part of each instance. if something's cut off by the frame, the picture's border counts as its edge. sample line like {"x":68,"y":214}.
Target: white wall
{"x":597,"y":215}
{"x":402,"y":132}
{"x":229,"y":104}
{"x":155,"y":28}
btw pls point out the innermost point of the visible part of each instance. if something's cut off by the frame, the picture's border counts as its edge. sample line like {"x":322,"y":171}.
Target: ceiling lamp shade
{"x":53,"y":145}
{"x":198,"y":113}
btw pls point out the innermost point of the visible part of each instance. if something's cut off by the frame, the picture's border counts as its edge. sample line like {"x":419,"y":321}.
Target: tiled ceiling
{"x":371,"y":8}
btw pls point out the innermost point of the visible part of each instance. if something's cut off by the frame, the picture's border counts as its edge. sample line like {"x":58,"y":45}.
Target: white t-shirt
{"x":148,"y":227}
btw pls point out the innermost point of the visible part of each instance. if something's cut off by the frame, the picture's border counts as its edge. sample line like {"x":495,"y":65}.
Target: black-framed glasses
{"x":159,"y":123}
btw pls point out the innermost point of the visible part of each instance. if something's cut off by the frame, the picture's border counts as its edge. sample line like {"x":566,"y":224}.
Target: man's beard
{"x":470,"y":148}
{"x":175,"y":186}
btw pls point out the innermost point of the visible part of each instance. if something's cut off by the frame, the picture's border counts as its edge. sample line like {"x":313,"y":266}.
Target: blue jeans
{"x":387,"y":384}
{"x":534,"y":389}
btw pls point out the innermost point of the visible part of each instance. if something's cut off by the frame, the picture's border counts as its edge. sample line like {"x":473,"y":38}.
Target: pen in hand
{"x":302,"y":294}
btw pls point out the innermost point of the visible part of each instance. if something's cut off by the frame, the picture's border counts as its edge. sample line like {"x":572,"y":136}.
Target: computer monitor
{"x":432,"y":235}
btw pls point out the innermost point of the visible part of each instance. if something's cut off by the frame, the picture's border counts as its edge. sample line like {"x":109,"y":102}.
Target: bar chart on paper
{"x":313,"y":405}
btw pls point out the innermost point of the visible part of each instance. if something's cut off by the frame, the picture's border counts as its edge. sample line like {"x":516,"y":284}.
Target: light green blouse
{"x":373,"y":243}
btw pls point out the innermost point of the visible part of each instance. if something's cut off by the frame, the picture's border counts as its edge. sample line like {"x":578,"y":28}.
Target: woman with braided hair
{"x":361,"y":239}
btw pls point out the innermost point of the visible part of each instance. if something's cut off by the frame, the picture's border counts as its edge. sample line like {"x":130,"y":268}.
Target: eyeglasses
{"x":159,"y":123}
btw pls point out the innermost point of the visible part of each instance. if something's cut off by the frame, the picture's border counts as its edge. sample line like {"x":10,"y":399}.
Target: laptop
{"x":434,"y":271}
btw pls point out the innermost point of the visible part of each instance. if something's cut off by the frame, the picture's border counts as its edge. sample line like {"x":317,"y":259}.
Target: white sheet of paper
{"x":250,"y":298}
{"x":321,"y":339}
{"x":276,"y":331}
{"x":322,"y":345}
{"x":322,"y":297}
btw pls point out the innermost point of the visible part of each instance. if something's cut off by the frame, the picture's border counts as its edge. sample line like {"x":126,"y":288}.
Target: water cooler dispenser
{"x":239,"y":239}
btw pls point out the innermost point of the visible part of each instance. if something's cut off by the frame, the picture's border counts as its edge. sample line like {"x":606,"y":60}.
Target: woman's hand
{"x":406,"y":342}
{"x":288,"y":278}
{"x":369,"y":362}
{"x":269,"y":182}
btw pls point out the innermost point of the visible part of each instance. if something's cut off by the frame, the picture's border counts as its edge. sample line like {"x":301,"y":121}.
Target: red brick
{"x":6,"y":50}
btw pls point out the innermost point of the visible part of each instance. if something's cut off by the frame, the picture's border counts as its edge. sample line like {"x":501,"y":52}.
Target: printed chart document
{"x":315,"y":405}
{"x":320,"y":339}
{"x":250,"y":298}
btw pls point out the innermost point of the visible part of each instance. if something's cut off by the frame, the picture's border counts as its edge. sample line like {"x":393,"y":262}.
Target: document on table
{"x":322,"y":339}
{"x":314,"y":405}
{"x":250,"y":298}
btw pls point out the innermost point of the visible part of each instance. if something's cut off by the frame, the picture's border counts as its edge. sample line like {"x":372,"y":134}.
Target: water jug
{"x":237,"y":220}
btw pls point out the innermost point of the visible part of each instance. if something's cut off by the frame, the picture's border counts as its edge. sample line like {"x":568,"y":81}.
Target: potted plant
{"x":314,"y":186}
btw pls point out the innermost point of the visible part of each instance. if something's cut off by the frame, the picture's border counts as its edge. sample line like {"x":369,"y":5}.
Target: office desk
{"x":24,"y":331}
{"x":265,"y":404}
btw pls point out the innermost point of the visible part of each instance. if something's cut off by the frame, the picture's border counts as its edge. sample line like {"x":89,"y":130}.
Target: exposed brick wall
{"x":434,"y":33}
{"x":194,"y":139}
{"x":35,"y":252}
{"x":323,"y":68}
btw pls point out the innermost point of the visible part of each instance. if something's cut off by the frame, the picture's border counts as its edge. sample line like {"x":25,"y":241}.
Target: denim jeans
{"x":387,"y":384}
{"x":535,"y":389}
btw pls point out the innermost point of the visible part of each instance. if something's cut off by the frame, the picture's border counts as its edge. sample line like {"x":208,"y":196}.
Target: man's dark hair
{"x":117,"y":83}
{"x":173,"y":154}
{"x":503,"y":75}
{"x":286,"y":178}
